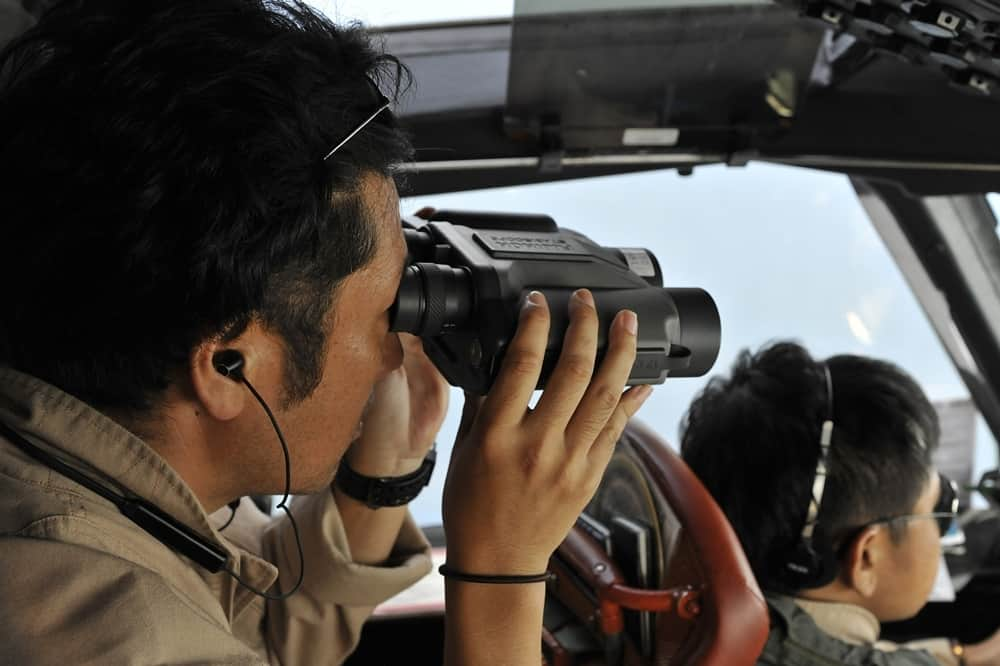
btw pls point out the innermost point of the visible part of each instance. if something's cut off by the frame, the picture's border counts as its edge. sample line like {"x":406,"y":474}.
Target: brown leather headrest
{"x":648,"y":481}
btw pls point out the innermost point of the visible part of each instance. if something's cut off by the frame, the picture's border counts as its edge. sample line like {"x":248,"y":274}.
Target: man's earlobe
{"x":861,"y":561}
{"x":217,"y":380}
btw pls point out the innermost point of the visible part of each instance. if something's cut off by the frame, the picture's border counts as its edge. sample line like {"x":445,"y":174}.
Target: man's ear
{"x":222,"y":397}
{"x":861,"y":561}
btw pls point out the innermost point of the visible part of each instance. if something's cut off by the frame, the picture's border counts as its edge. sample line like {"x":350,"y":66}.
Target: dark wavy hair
{"x":162,"y":184}
{"x":753,"y":439}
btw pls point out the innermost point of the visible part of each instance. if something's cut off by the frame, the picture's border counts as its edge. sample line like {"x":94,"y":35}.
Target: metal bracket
{"x":551,"y":142}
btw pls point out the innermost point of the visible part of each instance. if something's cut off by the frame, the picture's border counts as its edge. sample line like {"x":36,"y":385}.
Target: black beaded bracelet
{"x":448,"y":572}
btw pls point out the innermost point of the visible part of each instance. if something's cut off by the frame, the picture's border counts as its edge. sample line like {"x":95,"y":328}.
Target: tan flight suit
{"x":81,"y":584}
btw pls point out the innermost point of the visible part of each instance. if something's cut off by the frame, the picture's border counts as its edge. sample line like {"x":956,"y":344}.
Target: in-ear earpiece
{"x":229,"y":363}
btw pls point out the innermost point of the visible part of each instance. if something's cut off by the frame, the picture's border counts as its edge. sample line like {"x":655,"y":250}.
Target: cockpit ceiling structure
{"x":904,"y":91}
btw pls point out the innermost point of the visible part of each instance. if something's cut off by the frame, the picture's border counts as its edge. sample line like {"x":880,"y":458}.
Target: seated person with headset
{"x":201,"y":246}
{"x":824,"y":471}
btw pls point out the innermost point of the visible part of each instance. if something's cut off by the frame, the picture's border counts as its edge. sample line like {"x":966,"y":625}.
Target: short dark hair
{"x":754,"y":440}
{"x":163,"y":183}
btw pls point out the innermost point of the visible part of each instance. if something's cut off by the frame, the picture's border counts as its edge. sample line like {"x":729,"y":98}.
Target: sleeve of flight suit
{"x":322,"y":622}
{"x":939,"y":648}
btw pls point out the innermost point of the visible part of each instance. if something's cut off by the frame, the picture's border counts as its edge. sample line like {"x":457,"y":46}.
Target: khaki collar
{"x":87,"y":438}
{"x":848,"y":622}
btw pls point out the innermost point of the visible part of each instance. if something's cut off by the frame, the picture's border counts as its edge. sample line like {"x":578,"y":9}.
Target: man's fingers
{"x":469,"y":412}
{"x":421,"y":371}
{"x":575,"y":368}
{"x":413,"y":351}
{"x":522,"y":364}
{"x":604,"y":445}
{"x":605,"y":391}
{"x":411,"y":344}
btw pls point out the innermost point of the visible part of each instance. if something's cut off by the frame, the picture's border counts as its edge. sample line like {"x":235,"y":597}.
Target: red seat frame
{"x":710,"y":610}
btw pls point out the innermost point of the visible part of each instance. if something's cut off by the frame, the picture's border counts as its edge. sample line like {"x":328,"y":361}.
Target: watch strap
{"x":384,"y":491}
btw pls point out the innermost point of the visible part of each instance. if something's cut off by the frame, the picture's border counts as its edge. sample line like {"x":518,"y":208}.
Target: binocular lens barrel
{"x":432,"y":298}
{"x":701,"y":329}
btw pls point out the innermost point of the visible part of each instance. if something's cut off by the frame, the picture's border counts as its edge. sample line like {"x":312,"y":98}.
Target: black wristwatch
{"x":379,"y":491}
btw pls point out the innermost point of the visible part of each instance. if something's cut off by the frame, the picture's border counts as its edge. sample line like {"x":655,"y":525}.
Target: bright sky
{"x":785,"y":253}
{"x":393,"y":12}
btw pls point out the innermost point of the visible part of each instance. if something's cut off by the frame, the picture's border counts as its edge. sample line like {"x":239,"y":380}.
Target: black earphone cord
{"x":162,"y":526}
{"x":281,"y":505}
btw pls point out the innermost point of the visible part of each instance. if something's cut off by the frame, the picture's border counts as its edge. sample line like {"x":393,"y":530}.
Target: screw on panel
{"x":948,"y":20}
{"x":981,"y":83}
{"x":692,"y":607}
{"x":832,"y":15}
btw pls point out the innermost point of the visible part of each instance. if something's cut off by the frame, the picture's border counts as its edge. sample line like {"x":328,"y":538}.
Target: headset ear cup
{"x":800,"y":567}
{"x":812,"y":564}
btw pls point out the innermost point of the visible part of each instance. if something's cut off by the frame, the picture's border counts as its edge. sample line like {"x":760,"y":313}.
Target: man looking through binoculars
{"x":191,"y":277}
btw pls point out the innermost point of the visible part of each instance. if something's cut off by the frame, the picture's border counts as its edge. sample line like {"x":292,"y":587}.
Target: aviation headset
{"x":159,"y":524}
{"x":812,"y":562}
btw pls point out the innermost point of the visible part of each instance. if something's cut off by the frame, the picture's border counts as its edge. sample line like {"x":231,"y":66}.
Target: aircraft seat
{"x":708,"y":609}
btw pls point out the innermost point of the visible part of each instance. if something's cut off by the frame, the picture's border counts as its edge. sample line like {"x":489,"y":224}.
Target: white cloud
{"x":858,"y":328}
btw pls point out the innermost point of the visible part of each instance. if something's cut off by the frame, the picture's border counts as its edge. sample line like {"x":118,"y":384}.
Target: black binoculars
{"x":470,"y":272}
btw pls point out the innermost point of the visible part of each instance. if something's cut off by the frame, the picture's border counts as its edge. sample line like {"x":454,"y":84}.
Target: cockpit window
{"x":786,"y":252}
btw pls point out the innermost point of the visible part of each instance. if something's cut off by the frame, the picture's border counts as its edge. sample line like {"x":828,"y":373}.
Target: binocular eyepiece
{"x":470,"y":272}
{"x":432,"y":299}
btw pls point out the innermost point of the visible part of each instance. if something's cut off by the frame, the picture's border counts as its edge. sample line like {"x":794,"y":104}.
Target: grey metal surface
{"x":957,"y":449}
{"x":741,"y":89}
{"x":948,"y":251}
{"x":455,"y":68}
{"x":658,"y":160}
